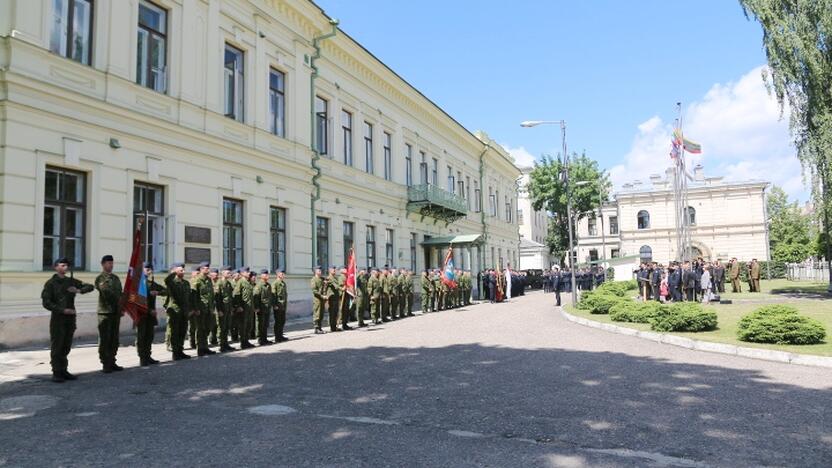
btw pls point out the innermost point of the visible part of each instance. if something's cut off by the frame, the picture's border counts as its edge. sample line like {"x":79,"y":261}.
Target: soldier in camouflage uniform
{"x":374,"y":293}
{"x":333,"y":306}
{"x":224,"y":297}
{"x":263,"y":304}
{"x":193,"y":323}
{"x":58,"y":297}
{"x":385,"y":294}
{"x":344,"y":304}
{"x":204,"y":290}
{"x":394,"y":293}
{"x":244,"y":306}
{"x":280,"y":301}
{"x":145,"y":329}
{"x":361,"y":296}
{"x":319,"y":291}
{"x":178,"y":307}
{"x":109,"y":315}
{"x":403,"y":280}
{"x":427,"y":291}
{"x":213,"y":328}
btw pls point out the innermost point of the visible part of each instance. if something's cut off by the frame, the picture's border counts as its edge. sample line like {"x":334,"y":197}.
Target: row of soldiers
{"x":385,"y":293}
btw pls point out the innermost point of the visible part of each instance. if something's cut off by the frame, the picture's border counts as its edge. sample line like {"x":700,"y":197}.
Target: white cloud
{"x":742,"y":136}
{"x":522,"y":157}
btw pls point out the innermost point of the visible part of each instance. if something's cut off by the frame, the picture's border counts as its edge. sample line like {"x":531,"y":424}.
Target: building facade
{"x":726,"y":219}
{"x":534,"y":227}
{"x":242,"y":132}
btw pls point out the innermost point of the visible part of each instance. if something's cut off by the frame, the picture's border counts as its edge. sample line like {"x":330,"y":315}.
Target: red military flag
{"x":448,"y":276}
{"x":351,"y":274}
{"x":134,"y":297}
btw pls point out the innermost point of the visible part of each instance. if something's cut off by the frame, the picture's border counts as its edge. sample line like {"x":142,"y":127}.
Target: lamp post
{"x":600,"y":215}
{"x":562,"y":124}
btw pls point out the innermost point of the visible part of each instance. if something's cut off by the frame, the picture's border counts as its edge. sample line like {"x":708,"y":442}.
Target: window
{"x":690,"y":214}
{"x":149,"y":207}
{"x":592,"y":224}
{"x":368,"y":148}
{"x":71,"y":34}
{"x":492,"y":202}
{"x":423,"y":169}
{"x":408,"y":164}
{"x":520,"y":217}
{"x":643,"y":220}
{"x":232,"y":233}
{"x":460,"y":185}
{"x":349,"y":240}
{"x":346,"y":132}
{"x":477,"y":198}
{"x":388,"y":156}
{"x":593,"y":255}
{"x":388,"y":247}
{"x":451,"y":180}
{"x":277,"y":102}
{"x":468,"y":192}
{"x":645,"y":253}
{"x":322,"y":237}
{"x":496,"y":200}
{"x":614,"y":225}
{"x":64,"y":217}
{"x":434,"y":177}
{"x":371,"y":246}
{"x":508,"y":210}
{"x":321,"y":125}
{"x":150,"y":47}
{"x":234,"y":83}
{"x":412,"y":251}
{"x":277,"y":230}
{"x":615,"y":253}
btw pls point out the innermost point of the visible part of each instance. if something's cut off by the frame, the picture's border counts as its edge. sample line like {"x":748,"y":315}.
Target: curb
{"x":707,"y":346}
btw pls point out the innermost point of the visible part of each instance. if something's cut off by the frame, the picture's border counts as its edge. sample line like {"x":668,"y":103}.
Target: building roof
{"x":527,"y":243}
{"x":449,"y":240}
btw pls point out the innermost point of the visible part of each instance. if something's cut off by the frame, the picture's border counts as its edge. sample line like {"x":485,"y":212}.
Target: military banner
{"x":134,"y":297}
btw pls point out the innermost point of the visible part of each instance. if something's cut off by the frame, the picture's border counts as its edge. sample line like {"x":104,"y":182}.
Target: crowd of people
{"x":557,"y":281}
{"x":499,"y":286}
{"x":696,"y":280}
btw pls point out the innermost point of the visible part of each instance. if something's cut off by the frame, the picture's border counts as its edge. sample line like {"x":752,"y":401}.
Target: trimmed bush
{"x":585,"y":302}
{"x":616,"y":288}
{"x":635,"y":312}
{"x":684,"y":316}
{"x":780,"y":324}
{"x":601,"y":303}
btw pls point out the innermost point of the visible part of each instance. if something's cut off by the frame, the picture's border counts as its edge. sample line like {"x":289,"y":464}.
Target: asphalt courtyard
{"x":510,"y":384}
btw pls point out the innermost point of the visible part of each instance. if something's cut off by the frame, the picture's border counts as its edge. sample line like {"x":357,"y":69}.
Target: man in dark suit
{"x":689,"y":281}
{"x":674,"y":282}
{"x":719,"y":277}
{"x":492,"y":286}
{"x":656,"y":281}
{"x":556,"y":284}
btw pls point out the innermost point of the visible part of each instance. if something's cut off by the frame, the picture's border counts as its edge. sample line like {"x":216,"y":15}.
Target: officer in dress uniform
{"x":109,"y":315}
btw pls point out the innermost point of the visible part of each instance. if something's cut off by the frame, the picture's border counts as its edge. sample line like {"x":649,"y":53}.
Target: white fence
{"x":808,"y":271}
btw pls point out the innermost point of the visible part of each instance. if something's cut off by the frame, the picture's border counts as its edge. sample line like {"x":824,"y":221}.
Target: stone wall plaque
{"x":197,"y":235}
{"x":197,"y":255}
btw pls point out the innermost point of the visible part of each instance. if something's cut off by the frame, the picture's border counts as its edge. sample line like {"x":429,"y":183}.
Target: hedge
{"x":684,"y":316}
{"x":598,"y":302}
{"x":635,"y":312}
{"x":617,"y":288}
{"x":780,"y":324}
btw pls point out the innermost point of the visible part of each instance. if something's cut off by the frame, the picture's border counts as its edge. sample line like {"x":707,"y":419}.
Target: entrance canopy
{"x":470,"y":239}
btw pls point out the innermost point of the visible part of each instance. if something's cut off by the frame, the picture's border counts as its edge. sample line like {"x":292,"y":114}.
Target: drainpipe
{"x":316,"y":192}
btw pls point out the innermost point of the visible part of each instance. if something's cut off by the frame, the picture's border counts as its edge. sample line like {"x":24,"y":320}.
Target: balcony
{"x":431,"y":201}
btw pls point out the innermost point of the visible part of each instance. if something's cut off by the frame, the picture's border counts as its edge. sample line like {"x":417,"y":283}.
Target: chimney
{"x":699,"y":173}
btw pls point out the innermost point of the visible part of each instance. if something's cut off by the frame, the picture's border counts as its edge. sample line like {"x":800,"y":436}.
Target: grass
{"x":774,"y":291}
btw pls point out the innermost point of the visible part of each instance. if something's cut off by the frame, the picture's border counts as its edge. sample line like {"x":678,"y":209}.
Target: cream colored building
{"x":534,"y":227}
{"x":197,"y":117}
{"x":727,"y":219}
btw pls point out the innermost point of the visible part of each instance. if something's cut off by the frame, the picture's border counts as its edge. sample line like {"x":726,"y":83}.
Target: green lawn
{"x":774,"y":291}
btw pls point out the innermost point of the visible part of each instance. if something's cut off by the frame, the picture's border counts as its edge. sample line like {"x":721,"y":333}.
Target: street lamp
{"x":562,"y":124}
{"x":600,"y":215}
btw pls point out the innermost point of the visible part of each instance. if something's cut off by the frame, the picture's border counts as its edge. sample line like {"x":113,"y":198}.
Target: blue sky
{"x":613,"y":69}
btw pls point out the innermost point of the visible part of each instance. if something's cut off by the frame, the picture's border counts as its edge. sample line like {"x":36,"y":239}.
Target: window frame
{"x":643,"y":225}
{"x":238,"y":79}
{"x":434,"y":176}
{"x":322,"y":126}
{"x":229,"y":226}
{"x":62,"y":205}
{"x":413,"y":250}
{"x":369,"y":163}
{"x":346,"y":136}
{"x":146,"y":214}
{"x":613,"y":222}
{"x":408,"y":164}
{"x":424,"y":177}
{"x":591,"y":226}
{"x":370,"y":249}
{"x":277,"y":257}
{"x":387,"y":149}
{"x":68,"y":48}
{"x":350,"y":238}
{"x":389,"y":246}
{"x":323,"y":253}
{"x":147,"y":72}
{"x":690,"y":216}
{"x":278,"y":94}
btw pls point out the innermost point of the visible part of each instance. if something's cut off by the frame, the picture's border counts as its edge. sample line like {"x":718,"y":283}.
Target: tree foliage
{"x":797,"y":38}
{"x":789,"y":229}
{"x":548,"y":191}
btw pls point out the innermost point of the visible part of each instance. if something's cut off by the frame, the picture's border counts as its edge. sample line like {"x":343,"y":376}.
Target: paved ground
{"x":494,"y":385}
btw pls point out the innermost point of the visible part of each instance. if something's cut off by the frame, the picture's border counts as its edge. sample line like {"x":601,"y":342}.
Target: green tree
{"x":548,"y":191}
{"x":797,"y":38}
{"x":789,"y":229}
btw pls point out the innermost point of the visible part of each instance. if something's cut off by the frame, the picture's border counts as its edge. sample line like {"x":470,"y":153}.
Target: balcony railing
{"x":430,"y":200}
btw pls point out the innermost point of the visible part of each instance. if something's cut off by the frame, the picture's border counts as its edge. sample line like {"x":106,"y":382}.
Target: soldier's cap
{"x":316,"y":267}
{"x":107,"y":258}
{"x":147,"y":265}
{"x":386,"y":267}
{"x":237,"y":271}
{"x":279,"y":270}
{"x":226,"y":268}
{"x":245,"y":270}
{"x":264,"y":271}
{"x":195,"y":268}
{"x":63,"y":260}
{"x":215,"y":270}
{"x":177,"y":265}
{"x":204,"y":264}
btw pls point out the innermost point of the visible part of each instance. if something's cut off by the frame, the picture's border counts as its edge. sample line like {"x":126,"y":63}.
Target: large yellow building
{"x":243,"y":132}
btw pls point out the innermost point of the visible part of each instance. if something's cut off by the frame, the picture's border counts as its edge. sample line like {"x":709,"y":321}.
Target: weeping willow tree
{"x":797,"y":39}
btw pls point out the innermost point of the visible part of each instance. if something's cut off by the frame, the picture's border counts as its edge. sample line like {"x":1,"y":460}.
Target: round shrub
{"x":601,"y":303}
{"x":684,"y":316}
{"x":780,"y":324}
{"x":635,"y":312}
{"x":616,"y":288}
{"x":585,"y":302}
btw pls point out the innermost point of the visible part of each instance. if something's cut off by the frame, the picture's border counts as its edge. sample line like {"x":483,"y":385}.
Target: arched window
{"x":646,"y":254}
{"x":643,"y":220}
{"x":690,"y":212}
